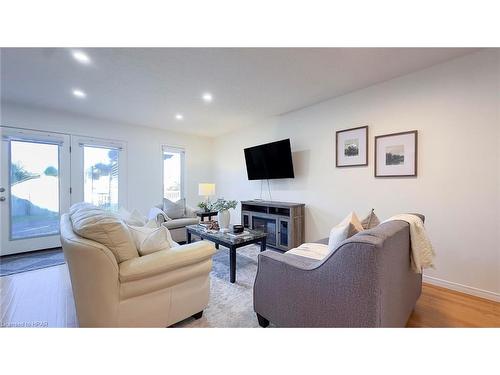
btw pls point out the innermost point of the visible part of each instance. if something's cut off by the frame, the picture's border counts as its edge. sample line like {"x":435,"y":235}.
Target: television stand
{"x":282,"y":221}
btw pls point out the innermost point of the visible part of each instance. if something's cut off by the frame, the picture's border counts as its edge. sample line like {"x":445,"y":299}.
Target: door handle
{"x":2,"y":199}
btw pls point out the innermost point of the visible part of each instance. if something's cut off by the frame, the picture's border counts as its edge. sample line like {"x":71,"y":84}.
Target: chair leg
{"x":263,"y":322}
{"x":198,"y":315}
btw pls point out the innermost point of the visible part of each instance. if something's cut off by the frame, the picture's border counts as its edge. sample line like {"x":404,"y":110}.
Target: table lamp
{"x":206,"y":190}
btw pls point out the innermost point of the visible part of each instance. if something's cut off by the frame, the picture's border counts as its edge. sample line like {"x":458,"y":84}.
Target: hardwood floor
{"x":440,"y":307}
{"x":44,"y":298}
{"x":40,"y":298}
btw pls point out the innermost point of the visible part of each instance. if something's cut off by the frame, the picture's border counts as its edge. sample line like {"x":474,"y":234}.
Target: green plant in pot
{"x":205,"y":206}
{"x":222,"y":207}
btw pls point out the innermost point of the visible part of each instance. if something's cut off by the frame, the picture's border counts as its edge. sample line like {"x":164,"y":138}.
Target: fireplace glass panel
{"x":266,"y":225}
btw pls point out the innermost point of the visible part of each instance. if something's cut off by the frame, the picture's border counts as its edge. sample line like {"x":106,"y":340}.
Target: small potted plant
{"x":222,"y":207}
{"x":205,"y":206}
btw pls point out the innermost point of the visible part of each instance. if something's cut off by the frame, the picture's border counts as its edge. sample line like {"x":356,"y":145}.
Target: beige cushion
{"x":370,"y":221}
{"x":78,"y":206}
{"x":181,"y":223}
{"x":174,"y":210}
{"x":104,"y":227}
{"x":345,"y":229}
{"x":311,"y":250}
{"x":149,"y":240}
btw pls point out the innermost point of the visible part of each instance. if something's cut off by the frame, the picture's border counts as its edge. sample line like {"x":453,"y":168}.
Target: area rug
{"x":11,"y":264}
{"x":230,"y":305}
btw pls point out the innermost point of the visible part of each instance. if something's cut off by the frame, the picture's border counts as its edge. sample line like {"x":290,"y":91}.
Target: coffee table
{"x":229,"y":241}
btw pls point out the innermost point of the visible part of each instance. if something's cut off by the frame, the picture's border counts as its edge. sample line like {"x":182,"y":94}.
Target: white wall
{"x":144,"y":172}
{"x":455,"y":108}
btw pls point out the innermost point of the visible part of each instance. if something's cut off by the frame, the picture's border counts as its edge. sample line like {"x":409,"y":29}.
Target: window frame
{"x":182,"y":151}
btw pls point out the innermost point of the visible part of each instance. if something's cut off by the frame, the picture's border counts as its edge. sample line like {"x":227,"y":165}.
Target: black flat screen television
{"x":269,"y":161}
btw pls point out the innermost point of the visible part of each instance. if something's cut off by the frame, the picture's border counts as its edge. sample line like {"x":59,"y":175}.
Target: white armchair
{"x":155,"y":290}
{"x":177,"y":227}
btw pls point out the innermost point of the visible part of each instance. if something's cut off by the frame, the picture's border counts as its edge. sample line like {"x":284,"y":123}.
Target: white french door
{"x":43,"y":173}
{"x":34,"y":188}
{"x":98,"y":172}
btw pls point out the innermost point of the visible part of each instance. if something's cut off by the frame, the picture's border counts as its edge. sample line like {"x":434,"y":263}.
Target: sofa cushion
{"x":149,"y":240}
{"x":104,"y":227}
{"x":174,"y":210}
{"x":181,"y":223}
{"x":370,"y":221}
{"x":345,"y":229}
{"x":310,"y":250}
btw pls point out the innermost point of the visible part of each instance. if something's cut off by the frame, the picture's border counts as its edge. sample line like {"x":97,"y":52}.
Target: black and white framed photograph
{"x":396,"y":154}
{"x":351,"y":147}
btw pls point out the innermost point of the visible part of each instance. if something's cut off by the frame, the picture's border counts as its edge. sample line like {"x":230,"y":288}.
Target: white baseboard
{"x":462,"y":288}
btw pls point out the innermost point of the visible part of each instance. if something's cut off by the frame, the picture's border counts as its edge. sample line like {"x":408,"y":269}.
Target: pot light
{"x":207,"y":97}
{"x":81,"y":57}
{"x":79,"y":93}
{"x":179,"y":116}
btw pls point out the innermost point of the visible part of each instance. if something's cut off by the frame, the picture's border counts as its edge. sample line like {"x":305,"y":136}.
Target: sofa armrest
{"x":165,"y":260}
{"x":190,"y":211}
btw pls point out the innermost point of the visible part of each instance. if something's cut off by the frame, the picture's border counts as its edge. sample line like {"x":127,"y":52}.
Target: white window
{"x":173,"y":172}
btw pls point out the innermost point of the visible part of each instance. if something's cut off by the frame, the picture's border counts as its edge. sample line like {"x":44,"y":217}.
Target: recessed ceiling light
{"x":81,"y":57}
{"x":207,"y":97}
{"x":179,"y":116}
{"x":79,"y":93}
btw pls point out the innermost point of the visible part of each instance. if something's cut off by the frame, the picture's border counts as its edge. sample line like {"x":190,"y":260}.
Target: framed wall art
{"x":396,"y":154}
{"x":351,"y":147}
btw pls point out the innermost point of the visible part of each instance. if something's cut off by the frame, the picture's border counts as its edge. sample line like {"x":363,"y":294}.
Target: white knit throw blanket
{"x":422,"y":253}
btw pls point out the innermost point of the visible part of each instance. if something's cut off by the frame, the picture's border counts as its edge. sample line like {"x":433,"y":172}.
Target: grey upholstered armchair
{"x":366,"y":282}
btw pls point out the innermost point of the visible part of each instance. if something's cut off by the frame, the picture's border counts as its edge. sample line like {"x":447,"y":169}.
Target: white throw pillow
{"x":174,"y":210}
{"x":132,"y":218}
{"x":149,"y":240}
{"x":345,"y":229}
{"x":152,"y":224}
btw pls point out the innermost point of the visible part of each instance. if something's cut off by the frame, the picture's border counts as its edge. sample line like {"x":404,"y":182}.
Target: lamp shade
{"x":206,"y":190}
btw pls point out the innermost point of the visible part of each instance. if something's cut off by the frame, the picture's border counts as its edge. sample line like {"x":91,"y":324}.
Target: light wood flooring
{"x":44,"y":298}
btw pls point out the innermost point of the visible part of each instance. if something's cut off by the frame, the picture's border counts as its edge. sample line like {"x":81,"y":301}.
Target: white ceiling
{"x":148,"y":86}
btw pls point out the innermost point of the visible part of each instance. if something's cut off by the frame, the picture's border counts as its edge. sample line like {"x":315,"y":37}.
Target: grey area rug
{"x":11,"y":264}
{"x":230,"y":305}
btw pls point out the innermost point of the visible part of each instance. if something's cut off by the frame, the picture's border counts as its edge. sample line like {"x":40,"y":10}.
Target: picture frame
{"x":396,"y":154}
{"x":351,"y":147}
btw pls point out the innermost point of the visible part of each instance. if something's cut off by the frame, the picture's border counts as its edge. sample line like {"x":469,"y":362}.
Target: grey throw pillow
{"x":370,"y":221}
{"x":174,"y":210}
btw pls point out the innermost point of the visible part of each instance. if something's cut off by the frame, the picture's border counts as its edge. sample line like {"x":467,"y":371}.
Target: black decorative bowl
{"x":237,"y":228}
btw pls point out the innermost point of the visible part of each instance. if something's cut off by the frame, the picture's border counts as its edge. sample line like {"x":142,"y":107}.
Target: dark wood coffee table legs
{"x":263,"y":245}
{"x":232,"y":264}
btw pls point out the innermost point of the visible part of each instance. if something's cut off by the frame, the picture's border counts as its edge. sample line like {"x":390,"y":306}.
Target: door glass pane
{"x":34,"y":189}
{"x":100,"y":180}
{"x":172,"y":175}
